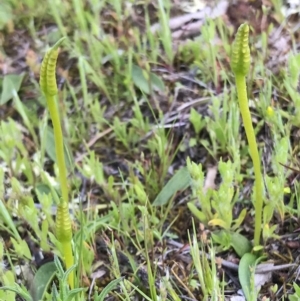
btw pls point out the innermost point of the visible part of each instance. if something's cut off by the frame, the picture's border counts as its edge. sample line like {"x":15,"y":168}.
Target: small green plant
{"x":216,"y":205}
{"x":165,"y":33}
{"x":63,"y":292}
{"x":224,"y":126}
{"x":240,"y":64}
{"x":296,"y":295}
{"x":63,"y":222}
{"x":202,"y":267}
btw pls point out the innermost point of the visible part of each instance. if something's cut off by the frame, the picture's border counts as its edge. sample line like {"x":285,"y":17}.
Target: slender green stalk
{"x":63,"y":221}
{"x":59,"y":146}
{"x":258,"y":204}
{"x":240,"y":63}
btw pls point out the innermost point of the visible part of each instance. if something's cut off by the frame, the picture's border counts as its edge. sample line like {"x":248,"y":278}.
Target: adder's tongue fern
{"x":63,"y":222}
{"x":240,"y":64}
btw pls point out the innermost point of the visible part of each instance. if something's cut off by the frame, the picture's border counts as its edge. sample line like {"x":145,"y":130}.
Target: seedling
{"x":63,"y":222}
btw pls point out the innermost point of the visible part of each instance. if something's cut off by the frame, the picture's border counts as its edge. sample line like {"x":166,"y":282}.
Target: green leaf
{"x":197,"y":213}
{"x":218,"y":222}
{"x":19,"y":290}
{"x":239,"y":220}
{"x":107,"y":289}
{"x":8,"y":279}
{"x":227,"y":239}
{"x":246,"y":265}
{"x":50,"y":149}
{"x":41,"y":281}
{"x":297,"y":289}
{"x":21,"y":247}
{"x":11,"y":84}
{"x":6,"y":218}
{"x":197,"y":121}
{"x":240,"y":244}
{"x":222,"y":238}
{"x":42,"y":188}
{"x":157,"y":82}
{"x":144,"y":81}
{"x":6,"y":14}
{"x":71,"y":294}
{"x":180,"y":181}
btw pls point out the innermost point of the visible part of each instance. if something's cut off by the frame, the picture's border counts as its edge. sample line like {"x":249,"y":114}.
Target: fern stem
{"x":246,"y":116}
{"x":59,"y":146}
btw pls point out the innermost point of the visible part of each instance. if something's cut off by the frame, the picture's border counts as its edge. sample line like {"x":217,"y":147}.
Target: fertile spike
{"x":63,"y":223}
{"x":240,"y":56}
{"x":47,"y":74}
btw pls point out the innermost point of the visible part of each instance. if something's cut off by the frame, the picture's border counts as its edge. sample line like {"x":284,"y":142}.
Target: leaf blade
{"x":11,"y":83}
{"x":180,"y":181}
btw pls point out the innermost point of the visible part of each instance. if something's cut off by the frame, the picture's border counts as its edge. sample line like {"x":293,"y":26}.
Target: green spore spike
{"x":240,"y":57}
{"x":47,"y":73}
{"x":63,"y":223}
